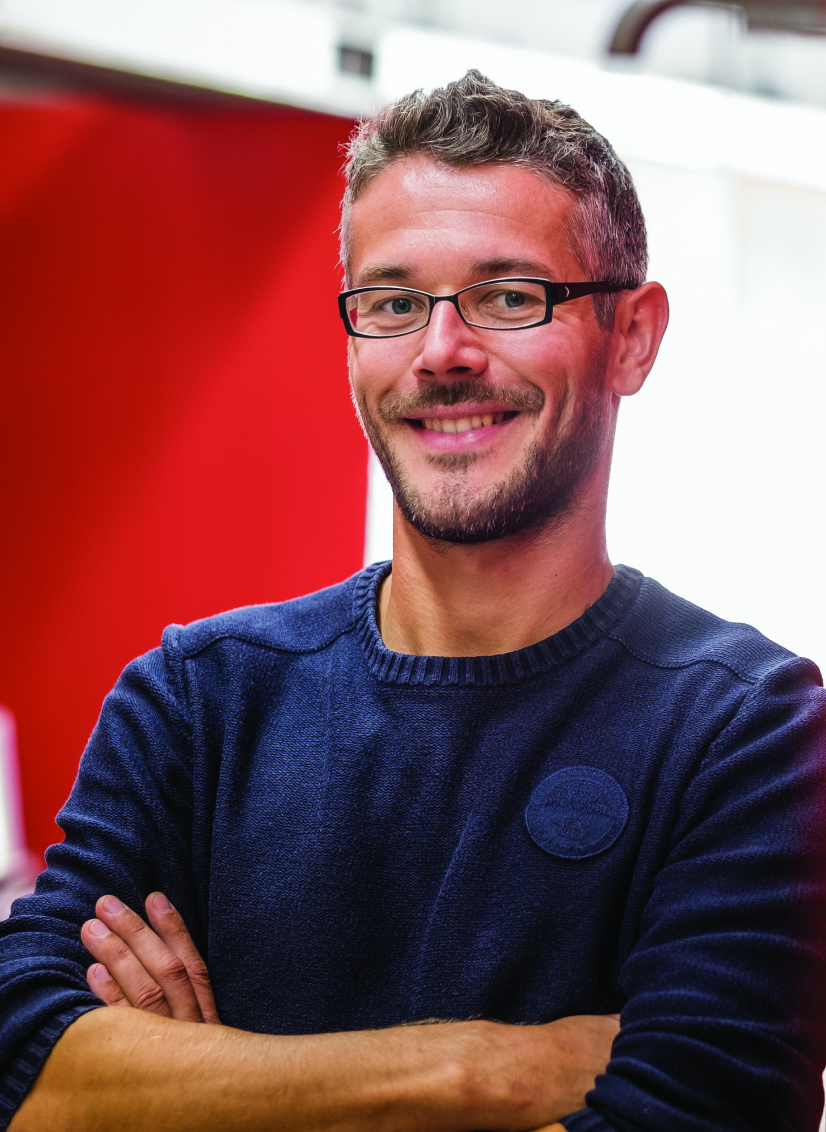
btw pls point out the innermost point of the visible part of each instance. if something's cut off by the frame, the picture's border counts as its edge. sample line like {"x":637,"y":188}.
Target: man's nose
{"x":450,"y":348}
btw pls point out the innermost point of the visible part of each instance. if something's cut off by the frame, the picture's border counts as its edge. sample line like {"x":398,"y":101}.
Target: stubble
{"x":538,"y":494}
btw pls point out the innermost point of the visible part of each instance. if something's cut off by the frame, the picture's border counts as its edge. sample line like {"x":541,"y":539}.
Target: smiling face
{"x":482,"y":433}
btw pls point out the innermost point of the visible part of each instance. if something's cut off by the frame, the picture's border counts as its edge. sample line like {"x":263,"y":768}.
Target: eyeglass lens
{"x":493,"y":306}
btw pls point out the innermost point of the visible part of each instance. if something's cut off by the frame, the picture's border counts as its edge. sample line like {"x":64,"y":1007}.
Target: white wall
{"x":18,"y":867}
{"x":721,"y":461}
{"x":11,"y":819}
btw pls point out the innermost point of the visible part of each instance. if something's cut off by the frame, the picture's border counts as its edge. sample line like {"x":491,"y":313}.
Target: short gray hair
{"x":475,"y":122}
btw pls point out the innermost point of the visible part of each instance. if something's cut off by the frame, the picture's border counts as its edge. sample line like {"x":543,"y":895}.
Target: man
{"x":504,"y":788}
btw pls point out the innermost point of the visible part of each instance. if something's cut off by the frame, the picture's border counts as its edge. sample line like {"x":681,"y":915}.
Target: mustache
{"x":436,"y":396}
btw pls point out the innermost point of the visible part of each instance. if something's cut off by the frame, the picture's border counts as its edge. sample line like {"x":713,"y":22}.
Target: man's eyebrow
{"x":493,"y":268}
{"x":383,"y":273}
{"x":484,"y":269}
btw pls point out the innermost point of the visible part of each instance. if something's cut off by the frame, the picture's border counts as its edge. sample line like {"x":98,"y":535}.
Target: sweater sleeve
{"x":724,"y":1027}
{"x":127,"y":829}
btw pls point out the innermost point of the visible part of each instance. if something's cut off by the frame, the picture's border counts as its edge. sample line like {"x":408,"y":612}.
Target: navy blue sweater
{"x":626,"y":816}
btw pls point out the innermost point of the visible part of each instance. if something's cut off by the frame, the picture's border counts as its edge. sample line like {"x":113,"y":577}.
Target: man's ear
{"x":639,"y":325}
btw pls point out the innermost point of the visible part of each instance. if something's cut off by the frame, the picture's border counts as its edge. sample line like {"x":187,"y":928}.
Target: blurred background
{"x":172,"y":446}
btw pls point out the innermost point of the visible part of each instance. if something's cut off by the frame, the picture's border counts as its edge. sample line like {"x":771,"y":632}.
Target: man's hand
{"x":157,"y":971}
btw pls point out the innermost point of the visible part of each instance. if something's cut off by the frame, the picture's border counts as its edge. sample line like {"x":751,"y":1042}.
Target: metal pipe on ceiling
{"x":806,"y":17}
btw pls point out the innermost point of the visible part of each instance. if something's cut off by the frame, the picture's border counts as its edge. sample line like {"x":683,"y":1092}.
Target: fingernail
{"x":112,"y":905}
{"x":160,"y":903}
{"x":96,"y":927}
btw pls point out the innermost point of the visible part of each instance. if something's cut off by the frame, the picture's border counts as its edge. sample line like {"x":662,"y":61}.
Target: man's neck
{"x":496,"y":597}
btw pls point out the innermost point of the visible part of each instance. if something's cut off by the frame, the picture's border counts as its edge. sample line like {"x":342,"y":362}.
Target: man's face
{"x":482,"y":433}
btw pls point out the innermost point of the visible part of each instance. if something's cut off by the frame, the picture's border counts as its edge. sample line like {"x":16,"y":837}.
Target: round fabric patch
{"x":577,"y":812}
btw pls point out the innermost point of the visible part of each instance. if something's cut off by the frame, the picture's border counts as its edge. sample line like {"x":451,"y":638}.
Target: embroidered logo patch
{"x":577,"y":812}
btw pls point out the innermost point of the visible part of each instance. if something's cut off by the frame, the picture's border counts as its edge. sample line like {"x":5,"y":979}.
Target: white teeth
{"x":462,"y":424}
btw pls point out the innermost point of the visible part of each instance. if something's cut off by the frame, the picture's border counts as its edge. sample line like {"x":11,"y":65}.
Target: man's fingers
{"x":162,"y":965}
{"x":132,"y":978}
{"x":151,"y":976}
{"x":169,"y":925}
{"x":104,"y":986}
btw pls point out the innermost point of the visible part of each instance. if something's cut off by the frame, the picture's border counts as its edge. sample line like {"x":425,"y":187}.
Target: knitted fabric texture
{"x":627,"y":817}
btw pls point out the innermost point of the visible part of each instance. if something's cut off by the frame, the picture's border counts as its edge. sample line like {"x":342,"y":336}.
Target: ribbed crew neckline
{"x":504,"y":668}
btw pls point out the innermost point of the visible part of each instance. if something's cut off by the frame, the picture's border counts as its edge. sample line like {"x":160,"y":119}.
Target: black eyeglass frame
{"x":555,"y":293}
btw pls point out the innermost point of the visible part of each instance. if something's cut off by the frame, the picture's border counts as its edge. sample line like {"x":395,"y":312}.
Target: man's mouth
{"x":457,"y":425}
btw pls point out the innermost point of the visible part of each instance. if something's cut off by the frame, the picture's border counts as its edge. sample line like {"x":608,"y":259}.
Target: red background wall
{"x":177,"y":436}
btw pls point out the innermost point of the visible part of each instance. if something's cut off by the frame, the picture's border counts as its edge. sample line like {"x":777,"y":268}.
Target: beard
{"x":538,"y":494}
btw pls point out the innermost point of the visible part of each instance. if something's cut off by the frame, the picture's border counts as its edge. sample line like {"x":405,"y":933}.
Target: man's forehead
{"x":502,"y":219}
{"x":434,"y":185}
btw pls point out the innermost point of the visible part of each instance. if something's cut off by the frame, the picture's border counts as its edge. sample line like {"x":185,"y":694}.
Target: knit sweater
{"x":626,"y":816}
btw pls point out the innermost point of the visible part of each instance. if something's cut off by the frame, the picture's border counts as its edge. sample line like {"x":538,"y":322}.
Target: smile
{"x":462,"y":428}
{"x":459,"y":425}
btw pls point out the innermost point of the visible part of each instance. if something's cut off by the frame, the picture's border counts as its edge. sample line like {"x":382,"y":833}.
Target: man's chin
{"x":454,"y":513}
{"x":473,"y":527}
{"x":536,"y":495}
{"x":447,"y":533}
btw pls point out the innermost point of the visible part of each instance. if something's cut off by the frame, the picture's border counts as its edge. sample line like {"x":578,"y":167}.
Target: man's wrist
{"x":502,"y":1076}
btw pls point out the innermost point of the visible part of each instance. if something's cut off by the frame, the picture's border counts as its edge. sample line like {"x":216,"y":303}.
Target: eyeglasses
{"x":514,"y":303}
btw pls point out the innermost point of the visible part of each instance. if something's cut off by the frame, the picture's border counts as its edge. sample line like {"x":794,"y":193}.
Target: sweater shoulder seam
{"x":258,"y":642}
{"x":682,"y":664}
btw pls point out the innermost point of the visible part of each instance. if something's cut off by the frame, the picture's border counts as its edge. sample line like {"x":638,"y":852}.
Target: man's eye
{"x":513,"y":299}
{"x":507,"y":300}
{"x":401,"y":306}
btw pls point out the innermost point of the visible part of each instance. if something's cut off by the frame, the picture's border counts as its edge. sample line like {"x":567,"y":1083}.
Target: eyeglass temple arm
{"x":562,"y":292}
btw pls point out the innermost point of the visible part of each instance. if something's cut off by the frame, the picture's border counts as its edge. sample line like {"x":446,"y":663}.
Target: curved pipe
{"x":636,"y":21}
